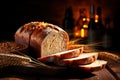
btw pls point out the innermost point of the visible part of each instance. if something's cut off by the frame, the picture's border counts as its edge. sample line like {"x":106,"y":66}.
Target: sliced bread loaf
{"x":62,"y":55}
{"x":43,"y":38}
{"x":84,"y":58}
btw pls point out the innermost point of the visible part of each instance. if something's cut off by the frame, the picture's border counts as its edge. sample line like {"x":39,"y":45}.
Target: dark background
{"x":14,"y":14}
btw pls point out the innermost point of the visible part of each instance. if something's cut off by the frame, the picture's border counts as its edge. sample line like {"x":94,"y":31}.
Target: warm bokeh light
{"x":96,"y":21}
{"x":82,"y":33}
{"x":88,"y":19}
{"x":84,"y":19}
{"x":75,"y":28}
{"x":85,"y":26}
{"x":77,"y":34}
{"x":96,"y":18}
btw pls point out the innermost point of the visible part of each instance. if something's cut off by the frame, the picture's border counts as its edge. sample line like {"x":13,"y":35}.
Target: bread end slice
{"x":95,"y":66}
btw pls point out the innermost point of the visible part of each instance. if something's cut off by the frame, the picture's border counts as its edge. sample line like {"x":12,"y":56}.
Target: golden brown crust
{"x":24,"y":33}
{"x":34,"y":34}
{"x":36,"y":40}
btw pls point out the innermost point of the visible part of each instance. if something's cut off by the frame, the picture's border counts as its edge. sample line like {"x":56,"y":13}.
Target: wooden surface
{"x":111,"y":72}
{"x":114,"y":68}
{"x":99,"y":75}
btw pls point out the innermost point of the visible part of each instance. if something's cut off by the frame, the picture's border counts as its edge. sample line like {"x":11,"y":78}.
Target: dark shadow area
{"x":36,"y":73}
{"x":16,"y":13}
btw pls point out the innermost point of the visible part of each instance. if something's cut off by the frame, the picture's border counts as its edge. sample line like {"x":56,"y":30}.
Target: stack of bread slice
{"x":76,"y":59}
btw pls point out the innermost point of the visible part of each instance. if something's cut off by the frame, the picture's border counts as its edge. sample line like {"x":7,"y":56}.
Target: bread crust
{"x":23,"y":34}
{"x":35,"y":34}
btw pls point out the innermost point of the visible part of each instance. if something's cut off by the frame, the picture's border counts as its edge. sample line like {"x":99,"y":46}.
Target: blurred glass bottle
{"x":92,"y":29}
{"x":68,"y":21}
{"x":82,"y":18}
{"x":107,"y":37}
{"x":99,"y":23}
{"x":80,"y":29}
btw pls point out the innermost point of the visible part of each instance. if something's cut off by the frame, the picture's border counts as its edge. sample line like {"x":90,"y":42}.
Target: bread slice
{"x":84,"y":58}
{"x":95,"y":66}
{"x":61,"y":55}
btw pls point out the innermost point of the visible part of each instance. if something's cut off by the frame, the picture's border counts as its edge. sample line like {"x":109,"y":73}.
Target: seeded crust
{"x":23,"y":34}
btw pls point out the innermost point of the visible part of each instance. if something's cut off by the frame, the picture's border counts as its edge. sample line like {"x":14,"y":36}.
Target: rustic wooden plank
{"x":114,"y":65}
{"x":113,"y":73}
{"x":114,"y":68}
{"x":102,"y":75}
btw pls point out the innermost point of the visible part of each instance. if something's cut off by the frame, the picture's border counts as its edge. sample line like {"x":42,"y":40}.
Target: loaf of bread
{"x":43,"y":38}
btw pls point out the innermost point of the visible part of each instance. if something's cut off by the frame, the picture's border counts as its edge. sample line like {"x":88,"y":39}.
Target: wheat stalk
{"x":108,"y":55}
{"x":102,"y":54}
{"x":13,"y":59}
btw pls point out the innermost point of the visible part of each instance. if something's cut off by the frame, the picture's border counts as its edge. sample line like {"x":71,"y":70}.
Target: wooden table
{"x":111,"y":72}
{"x":99,"y":75}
